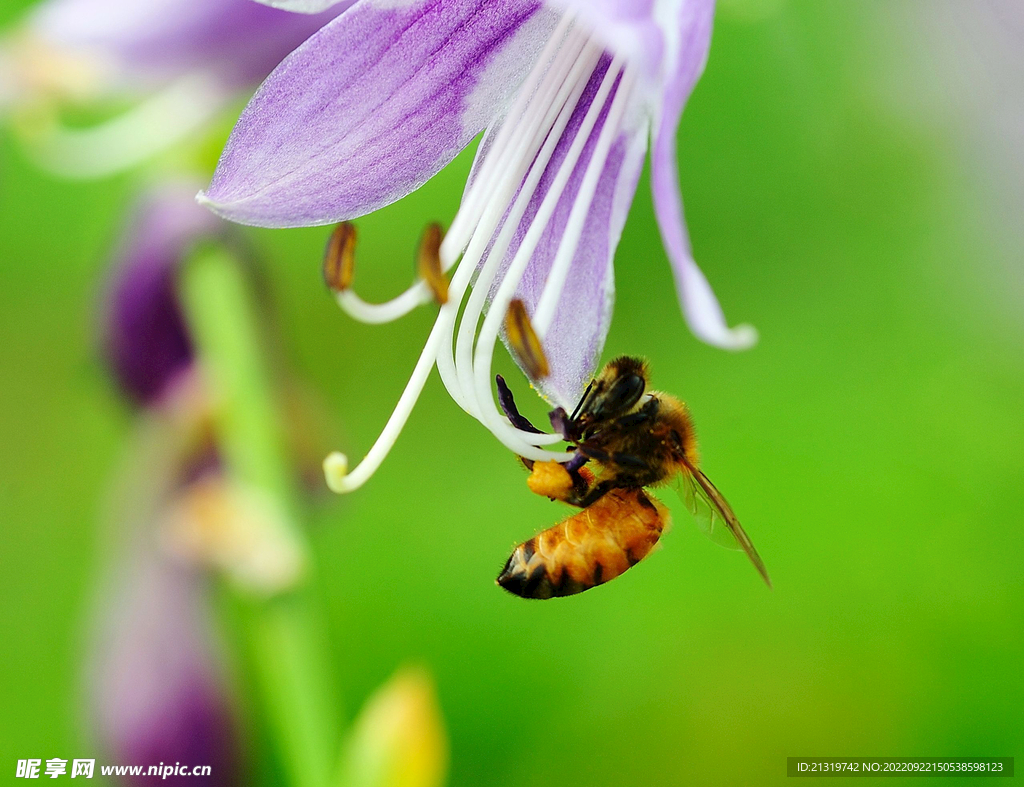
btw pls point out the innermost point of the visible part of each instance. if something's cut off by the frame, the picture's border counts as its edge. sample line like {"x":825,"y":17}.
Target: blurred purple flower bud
{"x":145,"y":340}
{"x":239,"y":41}
{"x":185,"y":62}
{"x":157,"y":689}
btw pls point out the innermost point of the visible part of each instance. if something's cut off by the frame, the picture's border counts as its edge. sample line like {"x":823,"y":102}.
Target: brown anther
{"x":340,"y":257}
{"x":524,"y":342}
{"x":428,"y":263}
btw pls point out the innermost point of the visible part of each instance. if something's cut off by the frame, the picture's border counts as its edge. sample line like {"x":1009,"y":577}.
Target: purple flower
{"x":145,"y":341}
{"x":186,"y":61}
{"x":568,"y":94}
{"x":147,"y":345}
{"x":157,"y":685}
{"x":236,"y":41}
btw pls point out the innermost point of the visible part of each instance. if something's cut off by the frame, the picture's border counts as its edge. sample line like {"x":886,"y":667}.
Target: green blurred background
{"x":871,"y":444}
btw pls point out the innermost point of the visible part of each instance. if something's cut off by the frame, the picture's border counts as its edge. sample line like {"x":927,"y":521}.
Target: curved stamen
{"x":355,"y":307}
{"x":336,"y":471}
{"x":556,"y":120}
{"x":339,"y":267}
{"x":336,"y":465}
{"x":497,"y":211}
{"x":569,"y":243}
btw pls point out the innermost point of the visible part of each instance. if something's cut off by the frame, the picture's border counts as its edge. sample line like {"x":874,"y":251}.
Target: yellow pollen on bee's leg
{"x":340,"y":257}
{"x":524,"y":341}
{"x":550,"y":479}
{"x":428,"y":263}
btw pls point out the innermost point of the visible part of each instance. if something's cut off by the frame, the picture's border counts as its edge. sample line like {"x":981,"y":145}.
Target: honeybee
{"x":636,"y":438}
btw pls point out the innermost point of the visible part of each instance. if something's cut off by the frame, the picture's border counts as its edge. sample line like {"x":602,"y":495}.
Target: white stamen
{"x":466,"y":219}
{"x":376,"y":455}
{"x":417,"y":295}
{"x":569,"y":243}
{"x":336,"y":465}
{"x":477,"y":298}
{"x":494,"y":199}
{"x":505,"y":164}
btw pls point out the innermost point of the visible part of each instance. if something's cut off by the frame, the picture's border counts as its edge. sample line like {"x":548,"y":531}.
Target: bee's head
{"x":615,"y":391}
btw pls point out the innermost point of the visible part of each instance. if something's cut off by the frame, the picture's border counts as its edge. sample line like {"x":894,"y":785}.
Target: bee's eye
{"x":621,"y":395}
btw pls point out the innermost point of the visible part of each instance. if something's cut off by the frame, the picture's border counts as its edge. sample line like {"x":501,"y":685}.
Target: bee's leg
{"x":632,"y":472}
{"x":579,"y":483}
{"x":595,"y":493}
{"x":583,"y":494}
{"x":601,"y":488}
{"x":508,"y":406}
{"x":574,"y":464}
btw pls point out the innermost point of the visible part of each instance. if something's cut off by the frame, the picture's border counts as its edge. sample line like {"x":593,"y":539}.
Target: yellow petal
{"x":399,"y":739}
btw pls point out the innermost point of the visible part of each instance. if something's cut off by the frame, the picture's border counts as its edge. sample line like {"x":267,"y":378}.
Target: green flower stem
{"x":287,"y":654}
{"x":286,"y":643}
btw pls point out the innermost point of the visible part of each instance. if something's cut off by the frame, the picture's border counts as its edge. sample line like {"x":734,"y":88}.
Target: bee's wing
{"x":715,"y":516}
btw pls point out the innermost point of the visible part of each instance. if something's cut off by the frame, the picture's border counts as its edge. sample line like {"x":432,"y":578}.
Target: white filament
{"x":558,"y":46}
{"x":494,"y":195}
{"x":417,"y":295}
{"x":569,"y":243}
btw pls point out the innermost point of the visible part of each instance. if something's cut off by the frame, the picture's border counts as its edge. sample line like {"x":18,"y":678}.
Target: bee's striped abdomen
{"x":588,"y":548}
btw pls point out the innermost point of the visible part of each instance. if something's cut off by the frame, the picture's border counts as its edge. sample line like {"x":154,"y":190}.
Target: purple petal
{"x":574,"y":342}
{"x":688,"y":39}
{"x":239,"y":40}
{"x":372,"y":106}
{"x":145,"y":340}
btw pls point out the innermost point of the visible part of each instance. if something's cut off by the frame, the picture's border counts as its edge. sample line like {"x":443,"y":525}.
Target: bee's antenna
{"x":579,"y":405}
